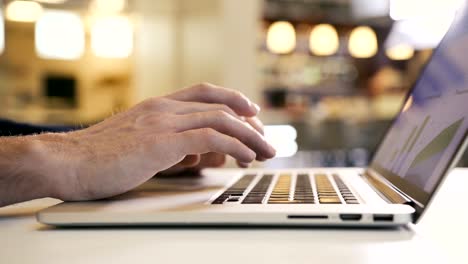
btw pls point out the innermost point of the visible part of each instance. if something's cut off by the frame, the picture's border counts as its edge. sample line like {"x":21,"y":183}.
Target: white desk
{"x":437,"y":239}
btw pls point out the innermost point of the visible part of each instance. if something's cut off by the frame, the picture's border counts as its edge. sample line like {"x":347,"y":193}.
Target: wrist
{"x":49,"y":163}
{"x":25,"y":168}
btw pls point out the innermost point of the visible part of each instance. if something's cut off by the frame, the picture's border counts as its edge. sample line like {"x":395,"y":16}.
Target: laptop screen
{"x":427,"y":134}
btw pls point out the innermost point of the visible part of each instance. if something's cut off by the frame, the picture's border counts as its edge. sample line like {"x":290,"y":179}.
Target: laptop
{"x":425,"y":140}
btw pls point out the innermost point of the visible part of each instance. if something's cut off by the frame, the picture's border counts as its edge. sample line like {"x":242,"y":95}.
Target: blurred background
{"x":329,"y":75}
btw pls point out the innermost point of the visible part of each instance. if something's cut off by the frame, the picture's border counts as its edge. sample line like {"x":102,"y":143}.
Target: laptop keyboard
{"x":288,"y":188}
{"x":347,"y":195}
{"x":326,"y":191}
{"x":236,"y":191}
{"x":257,"y":194}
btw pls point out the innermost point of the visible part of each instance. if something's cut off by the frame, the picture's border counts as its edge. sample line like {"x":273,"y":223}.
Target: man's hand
{"x":193,"y":127}
{"x":212,"y":159}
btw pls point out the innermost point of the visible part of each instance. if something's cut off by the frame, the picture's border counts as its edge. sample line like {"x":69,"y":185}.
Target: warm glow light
{"x":59,"y":35}
{"x":108,"y":6}
{"x":281,"y":37}
{"x":112,"y":37}
{"x":362,"y":42}
{"x":323,"y":40}
{"x":411,"y":9}
{"x":400,"y":52}
{"x":23,"y":11}
{"x":283,"y":139}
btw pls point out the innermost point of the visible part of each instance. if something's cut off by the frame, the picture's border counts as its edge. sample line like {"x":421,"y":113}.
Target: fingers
{"x":183,"y":108}
{"x":255,"y":123}
{"x":209,"y":93}
{"x":243,"y":164}
{"x":226,"y":124}
{"x":204,"y":140}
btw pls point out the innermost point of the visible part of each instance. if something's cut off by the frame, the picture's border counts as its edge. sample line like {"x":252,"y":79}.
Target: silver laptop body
{"x":424,"y":142}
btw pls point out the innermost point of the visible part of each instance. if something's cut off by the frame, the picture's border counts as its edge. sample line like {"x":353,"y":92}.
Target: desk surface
{"x":438,"y":238}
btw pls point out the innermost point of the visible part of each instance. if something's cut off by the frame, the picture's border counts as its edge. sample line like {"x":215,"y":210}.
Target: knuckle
{"x":226,"y":109}
{"x":155,"y":102}
{"x":204,"y":87}
{"x":153,"y":117}
{"x":237,"y":94}
{"x":149,"y":119}
{"x":221,"y":118}
{"x":221,"y":115}
{"x":207,"y":133}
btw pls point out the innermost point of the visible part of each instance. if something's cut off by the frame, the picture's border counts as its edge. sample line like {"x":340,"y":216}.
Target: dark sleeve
{"x":10,"y":128}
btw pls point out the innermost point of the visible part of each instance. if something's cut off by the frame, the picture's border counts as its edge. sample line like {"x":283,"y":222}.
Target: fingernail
{"x":272,"y":151}
{"x":257,"y":107}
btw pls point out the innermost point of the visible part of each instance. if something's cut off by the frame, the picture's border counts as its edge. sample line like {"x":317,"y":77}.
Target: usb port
{"x":350,"y":217}
{"x":383,"y":218}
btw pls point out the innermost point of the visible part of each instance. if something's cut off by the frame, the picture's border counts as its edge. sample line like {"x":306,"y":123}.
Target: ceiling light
{"x":23,"y":11}
{"x":324,"y":40}
{"x":59,"y":35}
{"x":281,"y":37}
{"x":400,"y":52}
{"x":362,"y":42}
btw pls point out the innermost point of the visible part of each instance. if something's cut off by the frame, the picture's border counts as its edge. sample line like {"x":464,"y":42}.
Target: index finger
{"x":209,"y":93}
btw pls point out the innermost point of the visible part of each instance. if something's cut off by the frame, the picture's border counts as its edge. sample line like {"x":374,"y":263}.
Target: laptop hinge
{"x":386,"y":189}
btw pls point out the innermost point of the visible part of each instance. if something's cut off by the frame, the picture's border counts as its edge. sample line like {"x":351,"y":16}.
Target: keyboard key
{"x":237,"y":189}
{"x":302,"y":201}
{"x":303,"y":192}
{"x":281,"y":190}
{"x":279,"y":202}
{"x":330,"y":200}
{"x":325,"y":190}
{"x":258,"y":192}
{"x":344,"y":190}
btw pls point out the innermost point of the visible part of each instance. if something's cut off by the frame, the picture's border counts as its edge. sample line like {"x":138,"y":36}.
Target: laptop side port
{"x":383,"y":218}
{"x":307,"y":216}
{"x":350,"y":217}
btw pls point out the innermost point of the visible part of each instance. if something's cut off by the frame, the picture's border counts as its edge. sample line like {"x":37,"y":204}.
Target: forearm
{"x":26,"y":165}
